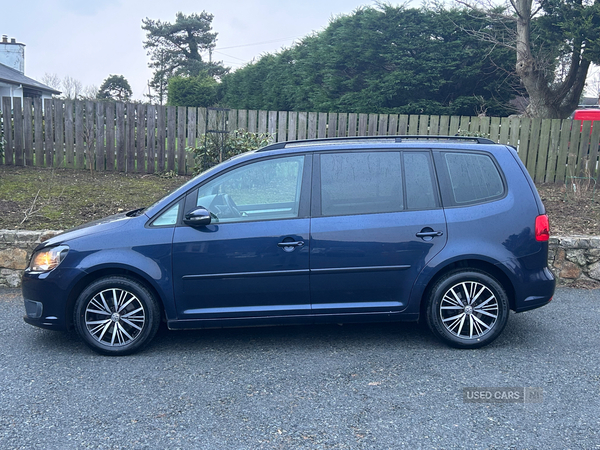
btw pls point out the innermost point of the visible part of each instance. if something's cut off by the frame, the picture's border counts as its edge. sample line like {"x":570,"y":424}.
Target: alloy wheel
{"x":115,"y":317}
{"x":469,"y":310}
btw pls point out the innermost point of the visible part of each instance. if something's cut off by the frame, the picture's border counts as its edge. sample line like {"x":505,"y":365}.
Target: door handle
{"x":430,"y":233}
{"x":291,"y":244}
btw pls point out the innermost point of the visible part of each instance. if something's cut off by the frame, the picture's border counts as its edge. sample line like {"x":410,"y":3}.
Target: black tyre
{"x":467,"y":309}
{"x":116,"y":316}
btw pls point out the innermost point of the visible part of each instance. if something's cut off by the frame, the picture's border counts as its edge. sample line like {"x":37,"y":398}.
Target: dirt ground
{"x":572,"y":208}
{"x":58,"y":199}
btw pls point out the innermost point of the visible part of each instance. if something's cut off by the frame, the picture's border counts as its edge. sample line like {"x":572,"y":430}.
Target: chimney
{"x":12,"y":54}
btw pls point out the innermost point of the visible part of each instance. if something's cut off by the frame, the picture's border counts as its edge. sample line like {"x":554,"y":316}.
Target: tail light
{"x":542,"y":228}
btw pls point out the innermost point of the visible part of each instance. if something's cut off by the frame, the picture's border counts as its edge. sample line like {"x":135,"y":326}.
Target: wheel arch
{"x":89,"y":278}
{"x":471,"y":263}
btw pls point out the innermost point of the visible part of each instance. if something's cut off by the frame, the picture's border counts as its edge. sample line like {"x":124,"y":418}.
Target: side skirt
{"x":291,"y":320}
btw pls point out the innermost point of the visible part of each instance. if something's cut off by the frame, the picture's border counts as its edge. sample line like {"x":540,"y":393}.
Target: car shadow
{"x":296,"y":337}
{"x":522,"y":331}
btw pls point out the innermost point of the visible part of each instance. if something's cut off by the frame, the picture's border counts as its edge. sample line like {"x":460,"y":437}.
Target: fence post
{"x":90,"y":135}
{"x":352,"y":124}
{"x":38,"y":131}
{"x":282,"y":126}
{"x":79,"y":156}
{"x":28,"y":130}
{"x":253,"y":121}
{"x":151,"y":139}
{"x":191,"y":137}
{"x":413,"y":125}
{"x":171,"y":137}
{"x":563,"y":150}
{"x":542,"y":158}
{"x":393,"y":125}
{"x":7,"y":122}
{"x":373,"y":120}
{"x":342,"y":125}
{"x":302,"y":124}
{"x":292,"y":126}
{"x":242,"y":116}
{"x":382,"y":128}
{"x":120,"y":132}
{"x":100,"y":136}
{"x":69,"y":135}
{"x":594,"y":142}
{"x":272,"y":124}
{"x":181,"y":122}
{"x":362,"y":124}
{"x":49,"y":133}
{"x":59,"y":134}
{"x":110,"y":137}
{"x":423,"y":125}
{"x":552,"y":151}
{"x":332,"y":125}
{"x":130,"y":149}
{"x":18,"y":130}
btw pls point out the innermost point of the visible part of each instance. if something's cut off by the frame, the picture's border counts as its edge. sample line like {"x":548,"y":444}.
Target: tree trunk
{"x":546,"y":99}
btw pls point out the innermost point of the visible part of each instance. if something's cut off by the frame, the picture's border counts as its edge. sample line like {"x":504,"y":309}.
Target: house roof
{"x":589,"y":101}
{"x":12,"y":76}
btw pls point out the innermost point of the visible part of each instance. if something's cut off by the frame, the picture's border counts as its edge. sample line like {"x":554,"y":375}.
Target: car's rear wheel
{"x":116,"y":316}
{"x":467,"y":309}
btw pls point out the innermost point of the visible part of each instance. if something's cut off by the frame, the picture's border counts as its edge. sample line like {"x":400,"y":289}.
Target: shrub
{"x":217,"y":147}
{"x":200,"y":91}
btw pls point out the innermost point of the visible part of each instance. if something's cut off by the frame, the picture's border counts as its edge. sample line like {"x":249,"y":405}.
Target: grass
{"x":38,"y":198}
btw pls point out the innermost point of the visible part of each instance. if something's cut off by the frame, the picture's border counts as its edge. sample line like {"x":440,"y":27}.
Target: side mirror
{"x":197,"y":218}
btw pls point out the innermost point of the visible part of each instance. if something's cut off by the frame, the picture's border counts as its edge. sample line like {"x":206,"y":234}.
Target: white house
{"x":13,"y":82}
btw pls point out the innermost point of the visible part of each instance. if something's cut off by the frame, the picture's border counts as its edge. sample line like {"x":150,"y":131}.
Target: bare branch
{"x":31,"y":211}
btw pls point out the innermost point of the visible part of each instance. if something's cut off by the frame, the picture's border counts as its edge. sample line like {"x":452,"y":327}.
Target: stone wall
{"x":15,"y":251}
{"x":571,"y":258}
{"x":575,"y":258}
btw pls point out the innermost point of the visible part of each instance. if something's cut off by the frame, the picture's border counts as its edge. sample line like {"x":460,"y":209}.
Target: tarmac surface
{"x":376,"y":386}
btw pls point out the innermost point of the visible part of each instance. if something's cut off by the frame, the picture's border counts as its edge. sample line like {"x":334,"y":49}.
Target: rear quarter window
{"x":473,"y":178}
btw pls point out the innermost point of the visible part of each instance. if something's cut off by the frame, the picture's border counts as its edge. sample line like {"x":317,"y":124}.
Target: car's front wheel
{"x":467,"y":309}
{"x":116,"y":315}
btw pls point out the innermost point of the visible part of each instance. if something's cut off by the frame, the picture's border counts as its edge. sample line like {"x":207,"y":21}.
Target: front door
{"x":252,"y":261}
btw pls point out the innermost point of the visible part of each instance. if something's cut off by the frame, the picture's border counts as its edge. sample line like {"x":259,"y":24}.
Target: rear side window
{"x":418,"y":172}
{"x":474,"y":178}
{"x":361,"y":183}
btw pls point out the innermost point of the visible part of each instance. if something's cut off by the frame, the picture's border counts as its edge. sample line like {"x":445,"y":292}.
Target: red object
{"x":587,"y":114}
{"x":542,"y":228}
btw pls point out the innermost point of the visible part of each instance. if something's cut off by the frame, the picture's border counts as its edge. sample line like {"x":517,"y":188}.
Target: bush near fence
{"x":151,"y":138}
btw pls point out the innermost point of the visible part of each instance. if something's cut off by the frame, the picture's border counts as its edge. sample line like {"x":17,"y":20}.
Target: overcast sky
{"x":92,"y":39}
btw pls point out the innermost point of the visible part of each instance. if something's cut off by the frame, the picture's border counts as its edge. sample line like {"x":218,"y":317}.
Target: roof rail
{"x":381,"y":139}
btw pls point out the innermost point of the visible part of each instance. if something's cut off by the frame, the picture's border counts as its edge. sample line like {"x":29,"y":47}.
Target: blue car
{"x":442,"y":229}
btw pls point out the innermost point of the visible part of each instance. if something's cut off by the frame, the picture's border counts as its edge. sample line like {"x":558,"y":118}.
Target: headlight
{"x":48,"y":259}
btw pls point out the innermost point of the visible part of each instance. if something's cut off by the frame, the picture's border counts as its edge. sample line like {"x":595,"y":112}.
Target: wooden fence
{"x":149,"y":138}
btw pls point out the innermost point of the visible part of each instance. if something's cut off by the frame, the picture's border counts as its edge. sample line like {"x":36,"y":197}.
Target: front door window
{"x":262,"y":190}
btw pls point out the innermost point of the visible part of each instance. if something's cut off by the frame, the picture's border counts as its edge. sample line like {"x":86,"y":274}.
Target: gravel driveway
{"x":381,"y":386}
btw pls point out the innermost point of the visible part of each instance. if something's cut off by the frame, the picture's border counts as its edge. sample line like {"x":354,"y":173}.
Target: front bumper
{"x":35,"y":316}
{"x":46,"y":298}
